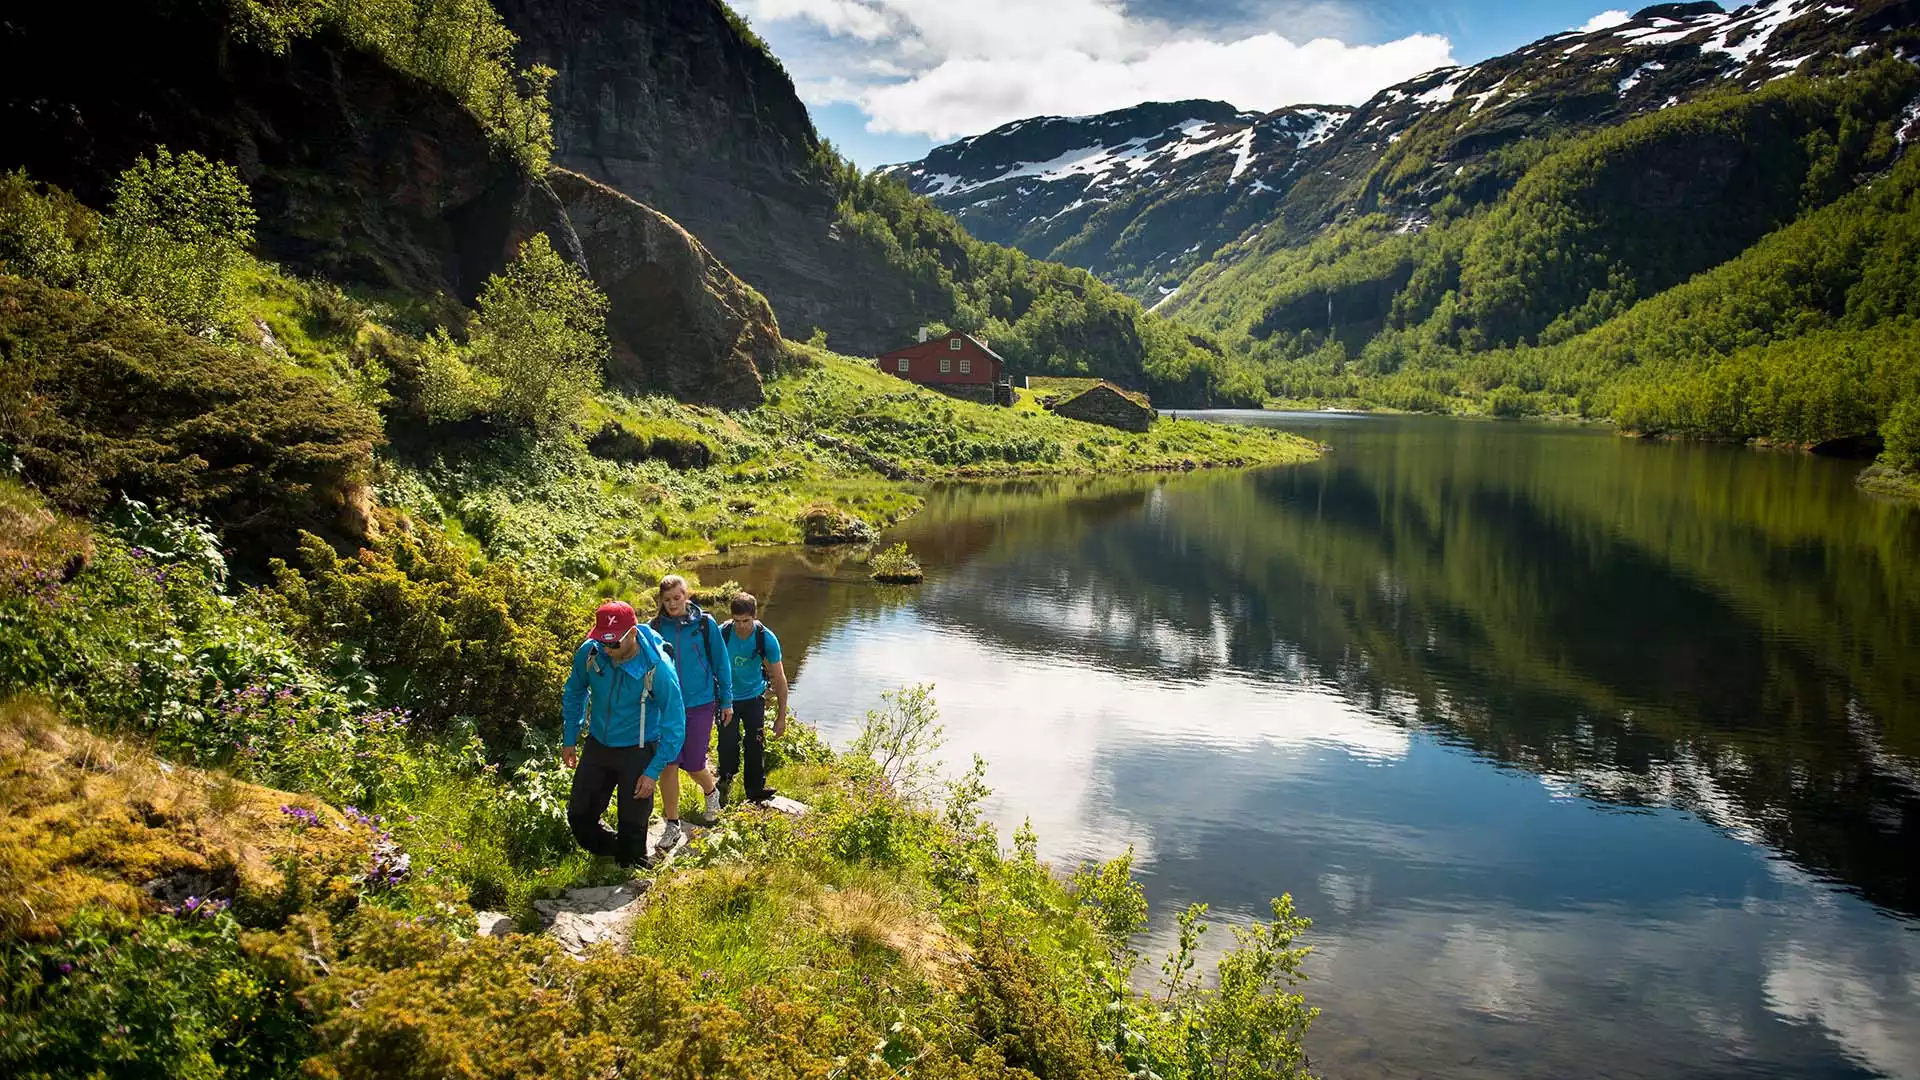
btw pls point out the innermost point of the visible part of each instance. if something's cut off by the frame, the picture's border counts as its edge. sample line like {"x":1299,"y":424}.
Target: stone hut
{"x":1105,"y":403}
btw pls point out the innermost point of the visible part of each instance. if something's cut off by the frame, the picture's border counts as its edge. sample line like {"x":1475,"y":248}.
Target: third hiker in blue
{"x":755,"y":653}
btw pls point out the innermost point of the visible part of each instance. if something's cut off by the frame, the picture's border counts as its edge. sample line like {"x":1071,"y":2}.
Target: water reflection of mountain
{"x":1703,"y":629}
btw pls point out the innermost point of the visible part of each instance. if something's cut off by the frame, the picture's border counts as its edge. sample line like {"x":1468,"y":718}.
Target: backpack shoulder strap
{"x":760,"y":641}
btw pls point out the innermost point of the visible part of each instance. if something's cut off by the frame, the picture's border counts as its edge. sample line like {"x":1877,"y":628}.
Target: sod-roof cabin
{"x":1107,"y":404}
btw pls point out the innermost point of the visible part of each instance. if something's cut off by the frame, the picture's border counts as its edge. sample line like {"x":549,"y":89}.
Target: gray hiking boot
{"x":670,"y":836}
{"x":709,"y":816}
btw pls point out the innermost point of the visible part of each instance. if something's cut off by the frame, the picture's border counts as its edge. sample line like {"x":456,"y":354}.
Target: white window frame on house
{"x":905,"y":364}
{"x":966,"y":365}
{"x":946,"y":364}
{"x":953,"y":344}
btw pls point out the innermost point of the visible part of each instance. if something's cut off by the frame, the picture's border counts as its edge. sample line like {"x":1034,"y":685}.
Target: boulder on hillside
{"x":824,"y":523}
{"x":679,"y":320}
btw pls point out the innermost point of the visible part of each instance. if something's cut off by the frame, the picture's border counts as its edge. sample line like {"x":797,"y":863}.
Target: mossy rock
{"x":824,"y":523}
{"x":96,"y":823}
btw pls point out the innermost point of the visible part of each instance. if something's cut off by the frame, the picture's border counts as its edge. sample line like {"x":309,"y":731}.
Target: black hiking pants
{"x":610,"y":772}
{"x":749,"y":726}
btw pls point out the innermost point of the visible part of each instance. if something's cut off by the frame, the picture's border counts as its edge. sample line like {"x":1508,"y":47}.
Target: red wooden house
{"x":952,"y":359}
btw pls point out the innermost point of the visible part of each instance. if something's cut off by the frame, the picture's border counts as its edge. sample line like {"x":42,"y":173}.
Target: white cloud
{"x":1603,"y":20}
{"x":966,"y":68}
{"x":846,"y":17}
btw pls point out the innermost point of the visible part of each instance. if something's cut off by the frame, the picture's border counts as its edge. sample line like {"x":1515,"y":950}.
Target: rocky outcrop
{"x":668,"y":102}
{"x":679,"y":320}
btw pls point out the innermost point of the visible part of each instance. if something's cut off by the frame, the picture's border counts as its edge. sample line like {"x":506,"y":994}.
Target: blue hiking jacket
{"x":612,"y":699}
{"x":700,"y":655}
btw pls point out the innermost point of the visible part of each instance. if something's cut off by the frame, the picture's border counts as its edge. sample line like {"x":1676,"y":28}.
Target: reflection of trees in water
{"x":1656,"y":625}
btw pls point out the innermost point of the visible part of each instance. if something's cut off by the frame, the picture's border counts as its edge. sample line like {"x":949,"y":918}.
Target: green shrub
{"x":167,"y":996}
{"x":116,"y":403}
{"x":1901,"y":431}
{"x":179,"y":228}
{"x":895,"y":564}
{"x":541,"y":336}
{"x":453,"y":639}
{"x":449,"y":389}
{"x":48,"y":235}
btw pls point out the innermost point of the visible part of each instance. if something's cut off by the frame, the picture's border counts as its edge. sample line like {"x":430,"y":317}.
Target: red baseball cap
{"x":612,"y":621}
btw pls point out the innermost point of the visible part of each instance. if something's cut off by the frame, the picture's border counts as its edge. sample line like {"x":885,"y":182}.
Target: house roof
{"x":1134,"y":396}
{"x":981,"y":345}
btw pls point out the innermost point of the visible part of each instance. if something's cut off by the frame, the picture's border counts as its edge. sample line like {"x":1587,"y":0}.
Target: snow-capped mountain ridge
{"x":1058,"y":177}
{"x":1143,"y":196}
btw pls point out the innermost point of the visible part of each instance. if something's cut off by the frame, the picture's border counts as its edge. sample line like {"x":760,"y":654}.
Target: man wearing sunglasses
{"x":628,"y":695}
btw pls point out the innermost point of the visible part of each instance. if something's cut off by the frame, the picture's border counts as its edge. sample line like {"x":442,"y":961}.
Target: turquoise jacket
{"x":699,"y":655}
{"x":618,"y":709}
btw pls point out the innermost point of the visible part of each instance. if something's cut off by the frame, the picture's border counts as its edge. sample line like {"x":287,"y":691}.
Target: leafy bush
{"x":1901,"y":431}
{"x":47,"y":234}
{"x":449,"y":389}
{"x":166,"y":996}
{"x":895,"y":564}
{"x":540,"y":339}
{"x":899,"y":737}
{"x":179,"y":228}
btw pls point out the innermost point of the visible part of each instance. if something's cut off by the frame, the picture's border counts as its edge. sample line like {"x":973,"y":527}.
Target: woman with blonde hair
{"x":706,"y":687}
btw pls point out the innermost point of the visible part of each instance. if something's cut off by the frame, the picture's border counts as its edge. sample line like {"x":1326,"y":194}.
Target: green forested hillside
{"x":1739,"y":267}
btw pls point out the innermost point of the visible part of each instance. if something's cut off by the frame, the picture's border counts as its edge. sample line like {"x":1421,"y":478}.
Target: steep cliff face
{"x":362,"y":174}
{"x":359,"y":172}
{"x":668,"y":102}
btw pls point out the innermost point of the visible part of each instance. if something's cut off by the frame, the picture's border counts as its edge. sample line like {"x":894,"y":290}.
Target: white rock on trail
{"x":601,"y":914}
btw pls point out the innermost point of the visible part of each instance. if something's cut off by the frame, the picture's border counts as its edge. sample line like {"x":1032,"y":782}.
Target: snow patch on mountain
{"x":1639,"y":73}
{"x":1242,"y":157}
{"x":1442,"y":94}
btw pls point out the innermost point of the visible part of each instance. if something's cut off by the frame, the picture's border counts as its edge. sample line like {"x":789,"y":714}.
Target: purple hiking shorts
{"x":693,"y":752}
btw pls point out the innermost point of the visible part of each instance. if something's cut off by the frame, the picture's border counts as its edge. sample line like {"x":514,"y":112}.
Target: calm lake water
{"x":1587,"y":756}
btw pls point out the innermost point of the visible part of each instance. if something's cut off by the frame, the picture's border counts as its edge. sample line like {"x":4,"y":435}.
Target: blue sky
{"x":887,"y":80}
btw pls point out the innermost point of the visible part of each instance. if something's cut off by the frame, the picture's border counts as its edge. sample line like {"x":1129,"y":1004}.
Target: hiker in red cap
{"x":628,"y":694}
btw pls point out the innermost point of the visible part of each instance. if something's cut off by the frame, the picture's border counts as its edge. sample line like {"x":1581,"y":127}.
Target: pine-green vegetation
{"x":1758,"y":286}
{"x":253,"y":844}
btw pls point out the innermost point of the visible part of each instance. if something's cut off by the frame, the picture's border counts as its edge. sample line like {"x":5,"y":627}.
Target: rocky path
{"x":600,"y":915}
